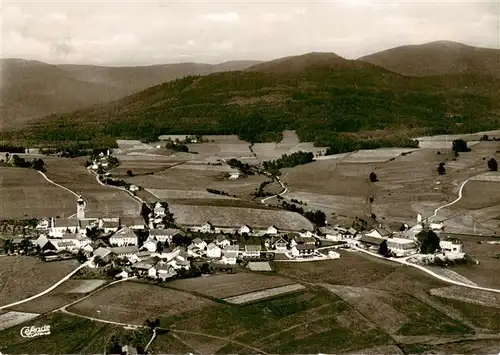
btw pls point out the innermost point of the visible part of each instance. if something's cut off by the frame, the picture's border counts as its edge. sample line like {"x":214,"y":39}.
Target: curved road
{"x":452,"y":202}
{"x":285,"y":190}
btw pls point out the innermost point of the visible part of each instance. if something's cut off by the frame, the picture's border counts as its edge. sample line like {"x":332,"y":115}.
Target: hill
{"x":306,"y":61}
{"x":34,"y":89}
{"x":438,"y":58}
{"x":336,"y":106}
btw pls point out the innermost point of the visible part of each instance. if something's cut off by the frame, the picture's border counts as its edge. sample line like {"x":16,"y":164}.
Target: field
{"x":164,"y":194}
{"x":22,"y":277}
{"x":483,"y":298}
{"x":101,"y":200}
{"x":236,"y":217}
{"x":260,"y":295}
{"x":69,"y":335}
{"x":11,"y":319}
{"x":479,"y":194}
{"x":313,"y":321}
{"x":259,"y":266}
{"x":24,"y":193}
{"x":133,"y":303}
{"x":399,"y":314}
{"x":355,"y":269}
{"x":486,"y":273}
{"x":228,"y":285}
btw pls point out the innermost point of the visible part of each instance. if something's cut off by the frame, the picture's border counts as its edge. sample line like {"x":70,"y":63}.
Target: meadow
{"x":24,"y":276}
{"x":24,"y":193}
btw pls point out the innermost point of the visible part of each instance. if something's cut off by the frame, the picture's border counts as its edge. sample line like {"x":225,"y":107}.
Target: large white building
{"x":124,"y":237}
{"x":402,"y":246}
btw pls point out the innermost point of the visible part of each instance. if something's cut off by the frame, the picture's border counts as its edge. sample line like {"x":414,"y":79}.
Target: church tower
{"x":80,"y":208}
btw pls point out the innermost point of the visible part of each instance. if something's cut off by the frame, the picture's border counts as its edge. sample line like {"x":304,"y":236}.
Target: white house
{"x":307,"y":234}
{"x":252,"y":251}
{"x":272,"y":230}
{"x":374,"y":233}
{"x":43,"y":224}
{"x":213,"y":251}
{"x":129,"y":252}
{"x":229,"y":257}
{"x":164,"y":235}
{"x":401,"y":246}
{"x":200,"y":244}
{"x":436,"y":226}
{"x":244,"y":229}
{"x":109,"y":225}
{"x":158,"y":210}
{"x":206,"y":228}
{"x":222,"y":241}
{"x":333,"y":255}
{"x":124,"y":237}
{"x":450,"y":244}
{"x":331,"y":234}
{"x":150,"y":245}
{"x":280,"y":244}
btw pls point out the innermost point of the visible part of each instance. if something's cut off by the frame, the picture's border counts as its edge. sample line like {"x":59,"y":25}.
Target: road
{"x":285,"y":190}
{"x":115,"y":187}
{"x":65,"y":278}
{"x":452,"y":202}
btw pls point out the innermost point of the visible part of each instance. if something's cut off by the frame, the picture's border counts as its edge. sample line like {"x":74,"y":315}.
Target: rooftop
{"x":125,"y":250}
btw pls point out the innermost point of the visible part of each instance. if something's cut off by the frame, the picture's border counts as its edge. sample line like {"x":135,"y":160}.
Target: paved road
{"x":65,"y":278}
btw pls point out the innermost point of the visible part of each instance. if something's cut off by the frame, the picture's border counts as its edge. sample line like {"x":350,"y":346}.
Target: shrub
{"x":492,"y":164}
{"x":441,"y":169}
{"x":373,"y":177}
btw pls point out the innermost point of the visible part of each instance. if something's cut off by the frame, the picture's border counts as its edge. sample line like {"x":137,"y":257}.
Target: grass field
{"x":69,"y":335}
{"x":260,"y":295}
{"x":236,"y":217}
{"x":165,"y":194}
{"x":133,"y":303}
{"x":228,"y":285}
{"x":356,"y":269}
{"x":62,"y":295}
{"x":170,"y":344}
{"x":22,"y":277}
{"x":399,"y":314}
{"x":479,"y":194}
{"x":24,"y":193}
{"x":12,"y":318}
{"x":306,"y":322}
{"x":101,"y":200}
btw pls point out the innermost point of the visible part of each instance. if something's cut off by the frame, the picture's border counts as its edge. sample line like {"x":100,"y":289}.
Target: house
{"x":272,"y":230}
{"x":63,"y":245}
{"x":333,"y":255}
{"x":280,"y":244}
{"x":451,"y":244}
{"x":309,"y":241}
{"x":87,"y":249}
{"x":124,"y":237}
{"x":206,"y":228}
{"x":371,"y":242}
{"x":402,"y":246}
{"x":233,"y":175}
{"x":125,"y":252}
{"x":165,"y":270}
{"x":234,"y":247}
{"x":129,"y":350}
{"x":229,"y":257}
{"x":436,"y":226}
{"x":144,"y":269}
{"x":307,"y":234}
{"x":43,"y":224}
{"x":213,"y":251}
{"x":222,"y":241}
{"x":59,"y":226}
{"x":78,"y":240}
{"x":159,"y":210}
{"x":150,"y":244}
{"x":252,"y":251}
{"x":134,"y":223}
{"x":164,"y":235}
{"x":198,"y":243}
{"x":122,"y":275}
{"x":376,"y":233}
{"x":109,"y":225}
{"x":104,"y":253}
{"x":244,"y":229}
{"x":302,"y":250}
{"x":331,"y":234}
{"x":193,"y":251}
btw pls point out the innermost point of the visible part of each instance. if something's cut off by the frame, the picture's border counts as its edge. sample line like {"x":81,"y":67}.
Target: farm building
{"x":124,"y":237}
{"x":331,"y":234}
{"x":234,"y":175}
{"x":144,"y":269}
{"x":134,"y":223}
{"x":302,"y":250}
{"x":279,"y":243}
{"x":244,"y":229}
{"x":198,"y":243}
{"x":109,"y":225}
{"x":229,"y":257}
{"x":129,"y":252}
{"x":371,"y":242}
{"x":164,"y":235}
{"x":103,"y":253}
{"x":451,"y":244}
{"x":213,"y":251}
{"x":376,"y":233}
{"x":402,"y":246}
{"x":222,"y":241}
{"x":59,"y":226}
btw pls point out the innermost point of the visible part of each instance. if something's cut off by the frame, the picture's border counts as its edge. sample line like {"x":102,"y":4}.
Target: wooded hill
{"x":324,"y":96}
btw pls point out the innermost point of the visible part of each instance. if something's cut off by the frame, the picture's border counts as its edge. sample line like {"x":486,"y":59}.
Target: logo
{"x":31,"y":332}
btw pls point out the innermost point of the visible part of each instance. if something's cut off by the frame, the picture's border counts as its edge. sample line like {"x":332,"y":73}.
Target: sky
{"x":166,"y":31}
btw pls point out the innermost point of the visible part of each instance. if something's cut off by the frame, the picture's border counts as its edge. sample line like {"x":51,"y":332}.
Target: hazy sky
{"x":163,"y":31}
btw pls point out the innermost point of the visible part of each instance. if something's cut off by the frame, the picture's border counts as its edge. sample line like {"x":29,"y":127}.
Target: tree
{"x":428,"y":241}
{"x":151,"y":324}
{"x":99,"y":261}
{"x":80,"y":257}
{"x":38,"y":164}
{"x":159,"y":247}
{"x":441,"y":169}
{"x":8,"y":246}
{"x":318,"y":217}
{"x":459,"y":145}
{"x":130,"y":173}
{"x":492,"y":164}
{"x":25,"y":245}
{"x":205,"y":269}
{"x":115,"y":347}
{"x":383,"y":249}
{"x":373,"y":177}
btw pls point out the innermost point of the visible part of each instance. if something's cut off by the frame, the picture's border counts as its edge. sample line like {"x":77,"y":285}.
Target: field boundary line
{"x":65,"y":278}
{"x":432,"y":273}
{"x":217,"y":337}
